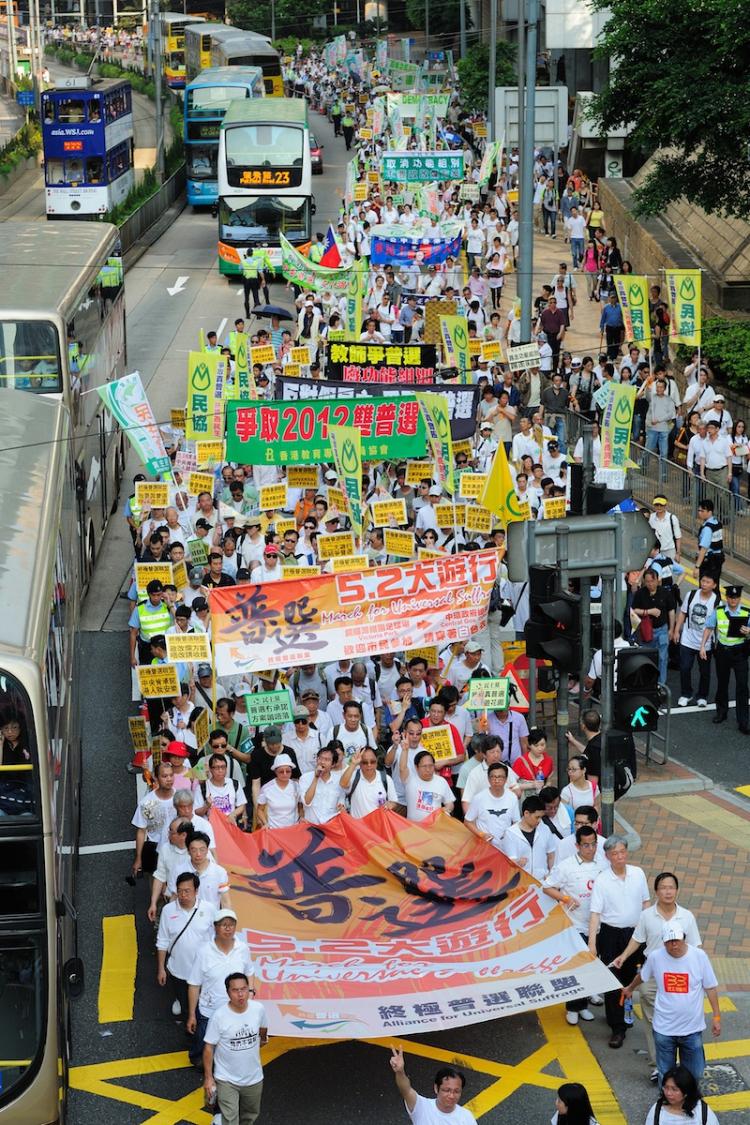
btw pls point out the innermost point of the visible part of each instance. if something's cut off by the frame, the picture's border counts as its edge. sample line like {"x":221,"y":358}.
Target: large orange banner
{"x":332,"y":616}
{"x":363,"y":928}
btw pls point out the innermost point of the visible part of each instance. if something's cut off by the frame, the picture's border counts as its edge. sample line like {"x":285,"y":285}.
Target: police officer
{"x":710,"y":558}
{"x":731,"y":656}
{"x":347,"y":124}
{"x":150,"y":618}
{"x":336,"y":113}
{"x":254,"y":277}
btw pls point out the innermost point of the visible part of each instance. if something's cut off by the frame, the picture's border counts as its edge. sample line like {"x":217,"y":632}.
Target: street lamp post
{"x":491,"y":123}
{"x":526,"y":184}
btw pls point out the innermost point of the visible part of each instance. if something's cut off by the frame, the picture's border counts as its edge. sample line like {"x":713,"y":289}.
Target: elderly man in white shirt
{"x":619,"y":897}
{"x":716,"y":456}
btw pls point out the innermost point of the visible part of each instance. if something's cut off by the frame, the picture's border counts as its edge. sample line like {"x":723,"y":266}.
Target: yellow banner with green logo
{"x":685,"y":301}
{"x":500,"y":495}
{"x":354,"y":296}
{"x":455,"y":333}
{"x":204,"y":415}
{"x":632,"y":293}
{"x":346,"y":446}
{"x":434,"y":408}
{"x":617,"y":421}
{"x":243,"y":386}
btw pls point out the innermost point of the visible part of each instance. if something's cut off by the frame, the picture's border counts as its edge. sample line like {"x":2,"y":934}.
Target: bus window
{"x":264,"y":217}
{"x":94,"y":169}
{"x":48,"y":110}
{"x":175,"y":60}
{"x":254,"y":145}
{"x":20,"y":891}
{"x":54,"y":172}
{"x":202,"y":161}
{"x":29,"y":360}
{"x":73,"y":171}
{"x":119,"y":160}
{"x":17,"y":786}
{"x":23,"y":1005}
{"x":71,"y":110}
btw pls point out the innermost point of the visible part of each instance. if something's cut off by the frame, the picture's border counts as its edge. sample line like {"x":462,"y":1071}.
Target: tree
{"x":474,"y":73}
{"x":444,"y":17}
{"x":680,"y":80}
{"x":255,"y":15}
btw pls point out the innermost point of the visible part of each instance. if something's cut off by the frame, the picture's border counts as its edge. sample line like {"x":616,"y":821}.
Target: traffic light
{"x":553,"y":631}
{"x":637,"y":691}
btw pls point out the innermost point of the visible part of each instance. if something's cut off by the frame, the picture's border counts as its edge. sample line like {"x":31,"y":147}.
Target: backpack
{"x":355,"y":783}
{"x":660,"y":1103}
{"x":203,"y":785}
{"x":362,"y":727}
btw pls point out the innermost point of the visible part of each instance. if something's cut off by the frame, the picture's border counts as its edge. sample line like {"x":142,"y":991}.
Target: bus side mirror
{"x":74,"y":977}
{"x":214,"y":212}
{"x":313,"y":205}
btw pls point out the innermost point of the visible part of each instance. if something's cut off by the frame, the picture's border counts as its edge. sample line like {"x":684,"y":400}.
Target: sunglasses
{"x":304,"y":721}
{"x":271,"y":555}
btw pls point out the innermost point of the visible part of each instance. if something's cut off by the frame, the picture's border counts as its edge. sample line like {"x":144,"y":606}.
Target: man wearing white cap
{"x":426,"y":515}
{"x":224,"y":954}
{"x":682,"y":973}
{"x":467,"y":664}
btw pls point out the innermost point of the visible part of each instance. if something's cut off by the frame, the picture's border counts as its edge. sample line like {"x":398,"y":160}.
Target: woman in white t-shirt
{"x":425,"y":790}
{"x":579,"y":790}
{"x":227,"y":797}
{"x":680,"y":1101}
{"x":573,"y":1106}
{"x":279,"y":801}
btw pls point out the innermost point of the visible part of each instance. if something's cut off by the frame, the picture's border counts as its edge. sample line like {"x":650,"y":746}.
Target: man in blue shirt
{"x":612,"y":326}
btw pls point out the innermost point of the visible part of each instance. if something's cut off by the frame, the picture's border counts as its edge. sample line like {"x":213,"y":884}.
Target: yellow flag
{"x":632,"y":292}
{"x":499,"y":494}
{"x":685,"y":300}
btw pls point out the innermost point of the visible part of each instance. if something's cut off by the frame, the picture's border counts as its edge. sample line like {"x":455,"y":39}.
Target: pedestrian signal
{"x":637,"y":696}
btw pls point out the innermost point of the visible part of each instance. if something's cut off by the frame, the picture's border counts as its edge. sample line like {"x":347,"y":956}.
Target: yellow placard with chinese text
{"x":151,"y":493}
{"x":180,"y":575}
{"x":399,"y":543}
{"x":300,"y":571}
{"x":177,"y":418}
{"x":294,"y":370}
{"x":471,"y":485}
{"x":188,"y":647}
{"x":148,"y":572}
{"x":262,"y":354}
{"x":554,"y":507}
{"x":138,"y":733}
{"x":439,"y":742}
{"x":383,"y":511}
{"x":201,"y":729}
{"x":200,"y":482}
{"x":282,"y":525}
{"x":349,"y":563}
{"x":271,"y":497}
{"x":417,"y":471}
{"x":335,"y":546}
{"x":478,"y":519}
{"x":209,"y":452}
{"x":301,"y":355}
{"x":427,"y":652}
{"x":302,"y":476}
{"x":158,"y":681}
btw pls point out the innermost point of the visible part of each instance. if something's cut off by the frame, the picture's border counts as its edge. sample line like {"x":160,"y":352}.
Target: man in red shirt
{"x":552,"y":323}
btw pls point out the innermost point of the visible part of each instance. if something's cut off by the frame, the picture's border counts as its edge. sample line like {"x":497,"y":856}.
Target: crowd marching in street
{"x":400,"y":729}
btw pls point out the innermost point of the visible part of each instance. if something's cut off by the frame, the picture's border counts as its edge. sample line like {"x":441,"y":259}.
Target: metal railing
{"x":653,"y":476}
{"x":147,"y":214}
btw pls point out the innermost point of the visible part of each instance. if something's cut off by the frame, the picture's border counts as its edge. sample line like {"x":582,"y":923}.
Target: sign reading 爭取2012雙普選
{"x":281,"y":433}
{"x":378,"y":927}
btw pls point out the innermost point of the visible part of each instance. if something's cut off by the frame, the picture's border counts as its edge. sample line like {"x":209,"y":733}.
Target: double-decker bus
{"x":265,"y":180}
{"x":173,"y":26}
{"x":40,"y":760}
{"x":198,"y":47}
{"x":87,"y":137}
{"x":233,"y":47}
{"x":62,"y":335}
{"x":206,"y":100}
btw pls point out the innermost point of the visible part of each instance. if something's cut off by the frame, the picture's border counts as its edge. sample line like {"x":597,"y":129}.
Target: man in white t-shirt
{"x":478,"y":778}
{"x":426,"y":791}
{"x":529,"y":842}
{"x":367,"y":787}
{"x":322,"y":798}
{"x":492,"y":811}
{"x":449,"y":1087}
{"x":682,"y":973}
{"x":406,"y":746}
{"x":231,"y":1054}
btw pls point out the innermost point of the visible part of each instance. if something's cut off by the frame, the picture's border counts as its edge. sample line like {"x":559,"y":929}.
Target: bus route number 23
{"x":265,"y":178}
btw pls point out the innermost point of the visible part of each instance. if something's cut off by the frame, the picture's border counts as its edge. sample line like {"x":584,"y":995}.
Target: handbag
{"x":646,"y":630}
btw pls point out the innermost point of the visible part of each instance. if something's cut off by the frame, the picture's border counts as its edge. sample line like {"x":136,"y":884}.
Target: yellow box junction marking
{"x":119,"y":959}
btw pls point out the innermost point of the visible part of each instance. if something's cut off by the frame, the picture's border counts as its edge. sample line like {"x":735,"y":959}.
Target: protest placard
{"x":158,"y":681}
{"x":266,"y":707}
{"x":188,"y":647}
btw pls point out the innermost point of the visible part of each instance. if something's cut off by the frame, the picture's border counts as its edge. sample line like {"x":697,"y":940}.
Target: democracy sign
{"x":336,"y":616}
{"x":462,"y":401}
{"x":371,"y":928}
{"x":357,"y":362}
{"x":277,"y":434}
{"x":264,"y":707}
{"x":402,"y":251}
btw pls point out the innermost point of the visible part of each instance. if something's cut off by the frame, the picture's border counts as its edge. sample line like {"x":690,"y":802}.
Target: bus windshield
{"x":202,"y":161}
{"x":255,"y":219}
{"x":252,"y":146}
{"x":30,"y":356}
{"x":208,"y":101}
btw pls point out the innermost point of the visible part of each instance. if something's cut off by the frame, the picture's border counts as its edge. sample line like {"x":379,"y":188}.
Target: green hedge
{"x":27,"y":142}
{"x":726,"y":347}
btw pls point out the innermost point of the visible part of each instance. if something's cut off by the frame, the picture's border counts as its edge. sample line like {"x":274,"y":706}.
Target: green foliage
{"x":444,"y":16}
{"x":288,"y":45}
{"x":474,"y":73}
{"x":26,"y":143}
{"x":291,"y":21}
{"x":135,"y":198}
{"x":680,"y":79}
{"x":726,"y":347}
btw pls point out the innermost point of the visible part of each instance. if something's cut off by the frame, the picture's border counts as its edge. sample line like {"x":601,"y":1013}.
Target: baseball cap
{"x":660,"y":500}
{"x":220,"y":915}
{"x":436,"y":490}
{"x":272,"y":734}
{"x":177,"y":750}
{"x":300,"y":713}
{"x":673,"y":931}
{"x":196,"y":576}
{"x":282,"y":760}
{"x":310,"y":693}
{"x":472,"y":646}
{"x":204,"y":670}
{"x":270,"y":549}
{"x":719,"y":398}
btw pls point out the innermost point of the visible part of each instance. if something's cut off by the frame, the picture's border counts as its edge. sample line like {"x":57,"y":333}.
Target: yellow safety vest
{"x":156,"y":622}
{"x":722,"y":628}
